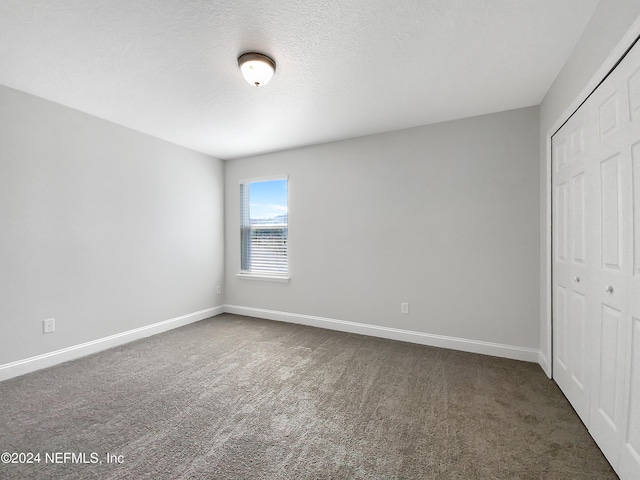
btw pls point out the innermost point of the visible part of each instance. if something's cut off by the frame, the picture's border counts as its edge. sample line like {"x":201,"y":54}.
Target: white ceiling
{"x":345,"y":68}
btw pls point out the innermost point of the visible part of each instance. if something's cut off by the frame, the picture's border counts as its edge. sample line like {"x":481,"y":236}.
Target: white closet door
{"x":610,"y":283}
{"x":596,"y":209}
{"x":629,"y":466}
{"x":571,"y":180}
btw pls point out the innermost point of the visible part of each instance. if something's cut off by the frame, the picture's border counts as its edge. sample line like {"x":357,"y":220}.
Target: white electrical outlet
{"x":404,"y":307}
{"x":219,"y":289}
{"x":49,"y":325}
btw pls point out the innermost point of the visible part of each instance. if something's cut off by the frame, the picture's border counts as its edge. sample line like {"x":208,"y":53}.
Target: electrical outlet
{"x":404,"y":307}
{"x":49,"y":325}
{"x":219,"y":290}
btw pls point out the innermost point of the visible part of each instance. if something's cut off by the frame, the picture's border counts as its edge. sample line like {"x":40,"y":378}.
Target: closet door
{"x":611,"y":222}
{"x":615,"y":399}
{"x":630,"y":455}
{"x":596,"y":264}
{"x":571,"y":294}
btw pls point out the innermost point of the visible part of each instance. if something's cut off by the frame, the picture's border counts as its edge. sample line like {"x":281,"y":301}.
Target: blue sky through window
{"x":268,"y":199}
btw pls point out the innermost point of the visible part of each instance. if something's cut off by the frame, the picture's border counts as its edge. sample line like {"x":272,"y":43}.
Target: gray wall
{"x":101,"y":227}
{"x":444,"y":217}
{"x":611,"y":20}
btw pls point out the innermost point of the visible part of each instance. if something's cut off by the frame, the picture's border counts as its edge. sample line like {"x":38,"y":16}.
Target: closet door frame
{"x":628,"y":40}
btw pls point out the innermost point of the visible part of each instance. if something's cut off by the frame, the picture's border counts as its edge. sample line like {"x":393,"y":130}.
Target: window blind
{"x":263,"y":240}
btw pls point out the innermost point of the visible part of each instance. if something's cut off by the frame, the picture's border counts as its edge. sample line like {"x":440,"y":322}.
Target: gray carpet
{"x":240,"y":398}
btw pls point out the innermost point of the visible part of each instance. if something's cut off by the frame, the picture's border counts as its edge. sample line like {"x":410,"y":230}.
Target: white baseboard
{"x":27,"y":365}
{"x":20,"y":367}
{"x":453,"y":343}
{"x":544,"y":363}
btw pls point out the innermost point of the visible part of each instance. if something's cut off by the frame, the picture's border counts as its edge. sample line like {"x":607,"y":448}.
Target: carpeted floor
{"x":240,"y":398}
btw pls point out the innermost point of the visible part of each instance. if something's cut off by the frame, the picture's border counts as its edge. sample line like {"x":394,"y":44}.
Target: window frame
{"x":264,"y":276}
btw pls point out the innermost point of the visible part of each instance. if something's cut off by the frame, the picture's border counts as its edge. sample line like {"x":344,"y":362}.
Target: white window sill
{"x":266,"y":278}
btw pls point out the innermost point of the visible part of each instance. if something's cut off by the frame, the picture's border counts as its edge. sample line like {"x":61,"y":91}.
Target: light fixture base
{"x":256,"y":68}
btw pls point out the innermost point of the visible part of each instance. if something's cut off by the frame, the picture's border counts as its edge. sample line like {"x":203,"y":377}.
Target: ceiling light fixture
{"x":256,"y":68}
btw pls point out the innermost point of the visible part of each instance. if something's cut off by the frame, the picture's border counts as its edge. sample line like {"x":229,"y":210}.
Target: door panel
{"x":633,"y":85}
{"x":577,"y":142}
{"x":610,"y":213}
{"x":630,"y":456}
{"x":635,"y":155}
{"x":577,"y":329}
{"x":611,"y":268}
{"x":629,"y":466}
{"x":609,"y":364}
{"x":560,"y":307}
{"x":561,"y":222}
{"x":571,"y":250}
{"x":608,"y":116}
{"x":633,"y":422}
{"x":578,"y":229}
{"x":559,"y":154}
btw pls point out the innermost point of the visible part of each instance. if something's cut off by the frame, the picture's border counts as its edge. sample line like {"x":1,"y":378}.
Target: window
{"x":264,"y":228}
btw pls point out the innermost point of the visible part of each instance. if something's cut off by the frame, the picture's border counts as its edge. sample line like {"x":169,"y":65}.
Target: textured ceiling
{"x":345,"y":68}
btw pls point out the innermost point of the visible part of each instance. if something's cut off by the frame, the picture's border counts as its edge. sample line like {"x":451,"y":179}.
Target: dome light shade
{"x":256,"y":68}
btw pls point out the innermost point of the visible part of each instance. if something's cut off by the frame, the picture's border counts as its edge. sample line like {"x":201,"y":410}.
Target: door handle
{"x":609,"y":289}
{"x":576,"y":279}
